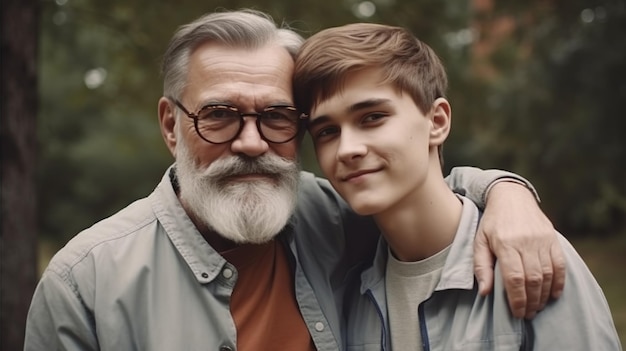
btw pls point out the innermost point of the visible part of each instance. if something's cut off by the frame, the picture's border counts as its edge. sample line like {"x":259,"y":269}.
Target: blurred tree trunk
{"x":18,"y":274}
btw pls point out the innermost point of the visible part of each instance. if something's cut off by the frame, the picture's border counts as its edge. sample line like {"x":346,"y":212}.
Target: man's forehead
{"x":352,"y":88}
{"x":218,"y":49}
{"x":223,"y":72}
{"x":217,"y":53}
{"x":354,"y":78}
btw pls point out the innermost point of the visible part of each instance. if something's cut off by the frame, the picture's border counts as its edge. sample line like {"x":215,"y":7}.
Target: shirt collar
{"x":202,"y":259}
{"x":458,"y":271}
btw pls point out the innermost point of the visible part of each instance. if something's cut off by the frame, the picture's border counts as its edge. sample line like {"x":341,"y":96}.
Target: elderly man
{"x":236,"y":248}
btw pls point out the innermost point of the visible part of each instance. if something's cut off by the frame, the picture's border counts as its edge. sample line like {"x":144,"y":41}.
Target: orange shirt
{"x":263,"y":303}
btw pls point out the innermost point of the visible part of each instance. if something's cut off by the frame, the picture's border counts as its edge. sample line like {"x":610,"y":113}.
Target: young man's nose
{"x":249,"y":141}
{"x":351,"y":147}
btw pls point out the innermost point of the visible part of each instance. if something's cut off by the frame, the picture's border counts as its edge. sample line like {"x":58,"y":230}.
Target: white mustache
{"x":241,"y":165}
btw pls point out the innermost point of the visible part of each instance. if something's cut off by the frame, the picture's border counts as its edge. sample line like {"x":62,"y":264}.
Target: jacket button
{"x":319,"y":326}
{"x":227,"y":273}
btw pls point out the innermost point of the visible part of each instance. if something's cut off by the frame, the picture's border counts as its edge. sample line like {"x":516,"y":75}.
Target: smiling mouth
{"x":357,"y":174}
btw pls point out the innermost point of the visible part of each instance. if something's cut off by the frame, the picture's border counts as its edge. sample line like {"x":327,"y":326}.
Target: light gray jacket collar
{"x":458,"y":272}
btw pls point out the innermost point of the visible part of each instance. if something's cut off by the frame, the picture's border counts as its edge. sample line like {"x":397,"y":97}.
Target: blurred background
{"x":537,"y":87}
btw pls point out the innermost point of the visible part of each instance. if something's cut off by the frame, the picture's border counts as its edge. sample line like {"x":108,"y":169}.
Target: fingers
{"x":483,"y":264}
{"x":551,"y":276}
{"x":558,"y":264}
{"x":526,"y":246}
{"x":533,"y":274}
{"x":539,"y":278}
{"x":514,"y":282}
{"x":548,"y":276}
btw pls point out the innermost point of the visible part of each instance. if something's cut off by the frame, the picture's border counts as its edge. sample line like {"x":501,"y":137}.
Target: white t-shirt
{"x":407,"y":285}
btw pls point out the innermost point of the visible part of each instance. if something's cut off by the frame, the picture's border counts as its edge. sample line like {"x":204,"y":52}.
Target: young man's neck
{"x":423,"y":223}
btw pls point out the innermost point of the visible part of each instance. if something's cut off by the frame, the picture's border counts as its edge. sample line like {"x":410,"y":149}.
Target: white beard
{"x":241,"y":211}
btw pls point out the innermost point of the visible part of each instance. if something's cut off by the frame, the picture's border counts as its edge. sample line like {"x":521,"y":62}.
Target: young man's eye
{"x":373,"y":117}
{"x":325,"y":132}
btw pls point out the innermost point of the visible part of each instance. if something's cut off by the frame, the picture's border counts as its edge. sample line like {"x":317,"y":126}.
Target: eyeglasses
{"x":219,"y":123}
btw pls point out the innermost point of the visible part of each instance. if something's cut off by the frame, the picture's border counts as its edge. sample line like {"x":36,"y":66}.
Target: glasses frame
{"x":302,"y":118}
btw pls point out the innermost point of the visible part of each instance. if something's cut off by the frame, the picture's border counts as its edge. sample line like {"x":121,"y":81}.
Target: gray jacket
{"x":456,"y":317}
{"x":145,"y":278}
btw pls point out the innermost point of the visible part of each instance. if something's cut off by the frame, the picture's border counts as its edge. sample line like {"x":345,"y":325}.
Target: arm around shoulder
{"x":475,"y":183}
{"x":517,"y":232}
{"x":58,"y":319}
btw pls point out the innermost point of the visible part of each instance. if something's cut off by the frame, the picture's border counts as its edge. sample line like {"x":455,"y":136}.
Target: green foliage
{"x":553,"y":115}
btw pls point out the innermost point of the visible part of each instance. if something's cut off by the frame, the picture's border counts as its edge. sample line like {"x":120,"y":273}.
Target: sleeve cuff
{"x":525,"y":184}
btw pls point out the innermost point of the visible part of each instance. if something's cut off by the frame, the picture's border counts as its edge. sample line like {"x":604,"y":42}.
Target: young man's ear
{"x":167,"y":122}
{"x":441,"y":120}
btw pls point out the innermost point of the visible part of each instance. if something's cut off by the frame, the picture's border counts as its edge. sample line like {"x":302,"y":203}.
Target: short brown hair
{"x":325,"y":59}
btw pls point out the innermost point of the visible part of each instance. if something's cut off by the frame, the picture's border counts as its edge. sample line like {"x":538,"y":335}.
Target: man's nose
{"x":249,"y":141}
{"x":351,"y":147}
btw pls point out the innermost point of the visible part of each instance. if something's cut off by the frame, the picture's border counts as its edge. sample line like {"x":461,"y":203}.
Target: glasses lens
{"x":280,"y":124}
{"x":218,"y":124}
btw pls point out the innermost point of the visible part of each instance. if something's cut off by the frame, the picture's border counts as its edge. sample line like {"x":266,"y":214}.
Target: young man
{"x":378,"y":118}
{"x":235,"y":248}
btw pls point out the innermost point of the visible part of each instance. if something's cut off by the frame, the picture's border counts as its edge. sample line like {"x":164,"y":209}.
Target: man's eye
{"x":275,"y":115}
{"x":374,"y":117}
{"x":219,"y":113}
{"x":325,"y":132}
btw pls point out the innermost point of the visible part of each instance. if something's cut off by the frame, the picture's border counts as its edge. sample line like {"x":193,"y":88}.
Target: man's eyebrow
{"x":317,"y":121}
{"x":233,"y":103}
{"x":361,"y":105}
{"x":373,"y":102}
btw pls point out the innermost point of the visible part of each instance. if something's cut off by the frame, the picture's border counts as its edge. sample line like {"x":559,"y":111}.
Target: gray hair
{"x":247,"y":29}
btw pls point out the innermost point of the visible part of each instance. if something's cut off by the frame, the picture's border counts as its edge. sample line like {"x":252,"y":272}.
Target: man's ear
{"x":167,"y":122}
{"x":441,"y":121}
